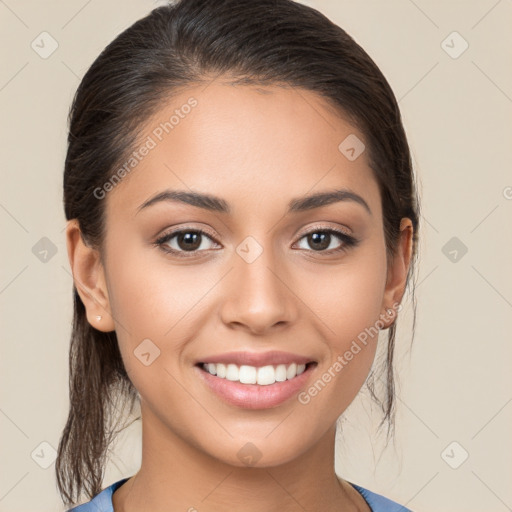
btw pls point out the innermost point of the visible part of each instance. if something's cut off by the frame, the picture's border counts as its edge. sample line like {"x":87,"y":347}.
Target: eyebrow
{"x":217,"y":204}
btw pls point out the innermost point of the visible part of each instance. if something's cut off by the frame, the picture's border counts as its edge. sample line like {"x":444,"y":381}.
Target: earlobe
{"x":89,"y":278}
{"x":398,"y":270}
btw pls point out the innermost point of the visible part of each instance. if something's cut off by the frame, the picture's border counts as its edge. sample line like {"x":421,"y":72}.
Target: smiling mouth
{"x":265,"y":387}
{"x":261,"y":376}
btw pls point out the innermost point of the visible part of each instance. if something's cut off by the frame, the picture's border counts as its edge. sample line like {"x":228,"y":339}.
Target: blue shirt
{"x":102,"y":502}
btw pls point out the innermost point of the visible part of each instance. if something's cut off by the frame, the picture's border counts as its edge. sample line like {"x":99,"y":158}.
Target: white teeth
{"x":291,"y":371}
{"x":263,"y":375}
{"x":221,"y":370}
{"x":247,"y":374}
{"x":232,"y":372}
{"x":266,"y":375}
{"x":281,"y":373}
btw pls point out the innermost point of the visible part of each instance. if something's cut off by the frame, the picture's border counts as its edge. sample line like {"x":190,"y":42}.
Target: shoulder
{"x":102,"y":502}
{"x":379,"y":503}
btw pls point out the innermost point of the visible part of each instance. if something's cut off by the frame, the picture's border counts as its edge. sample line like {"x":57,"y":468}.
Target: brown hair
{"x":174,"y":46}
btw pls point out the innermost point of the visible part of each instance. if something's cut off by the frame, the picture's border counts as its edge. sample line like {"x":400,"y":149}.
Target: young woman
{"x":242,"y":223}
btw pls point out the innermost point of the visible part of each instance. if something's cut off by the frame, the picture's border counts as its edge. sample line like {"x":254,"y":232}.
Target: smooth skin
{"x":257,"y":149}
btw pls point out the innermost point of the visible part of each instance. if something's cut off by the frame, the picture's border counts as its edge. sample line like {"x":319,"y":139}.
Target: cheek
{"x":348,"y":302}
{"x":154,"y":299}
{"x":153,"y":305}
{"x":348,"y":297}
{"x":149,"y":295}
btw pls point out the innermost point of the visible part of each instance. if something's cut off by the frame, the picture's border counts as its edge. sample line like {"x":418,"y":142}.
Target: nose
{"x":257,"y":295}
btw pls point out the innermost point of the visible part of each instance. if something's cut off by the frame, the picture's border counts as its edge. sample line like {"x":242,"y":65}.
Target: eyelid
{"x":320,"y":227}
{"x":174,"y":231}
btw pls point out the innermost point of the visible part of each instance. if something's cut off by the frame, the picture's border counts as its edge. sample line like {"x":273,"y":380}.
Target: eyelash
{"x":348,"y":241}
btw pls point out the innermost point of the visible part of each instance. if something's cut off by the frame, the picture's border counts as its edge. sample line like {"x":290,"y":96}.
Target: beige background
{"x":456,"y":380}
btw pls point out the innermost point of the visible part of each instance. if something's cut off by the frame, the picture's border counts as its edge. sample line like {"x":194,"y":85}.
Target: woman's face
{"x":255,"y":281}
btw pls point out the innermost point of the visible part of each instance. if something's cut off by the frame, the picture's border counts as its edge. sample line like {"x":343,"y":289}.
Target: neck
{"x":175,"y":473}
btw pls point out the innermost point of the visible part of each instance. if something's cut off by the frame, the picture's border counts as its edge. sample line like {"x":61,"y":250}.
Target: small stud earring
{"x":98,"y":317}
{"x":389,"y":311}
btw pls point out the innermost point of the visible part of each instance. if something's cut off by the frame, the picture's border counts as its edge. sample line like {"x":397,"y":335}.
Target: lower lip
{"x":254,"y":396}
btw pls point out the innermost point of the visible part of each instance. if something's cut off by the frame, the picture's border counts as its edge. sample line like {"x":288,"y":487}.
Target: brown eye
{"x":321,"y":240}
{"x":183,"y":241}
{"x":188,"y":240}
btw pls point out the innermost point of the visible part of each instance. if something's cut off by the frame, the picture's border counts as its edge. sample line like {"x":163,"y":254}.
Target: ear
{"x":397,"y":273}
{"x":89,"y":278}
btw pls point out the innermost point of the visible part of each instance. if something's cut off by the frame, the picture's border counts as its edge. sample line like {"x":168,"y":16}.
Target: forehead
{"x":246,"y":144}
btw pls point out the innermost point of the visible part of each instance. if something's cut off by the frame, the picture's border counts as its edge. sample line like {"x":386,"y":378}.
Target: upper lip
{"x":273,"y":357}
